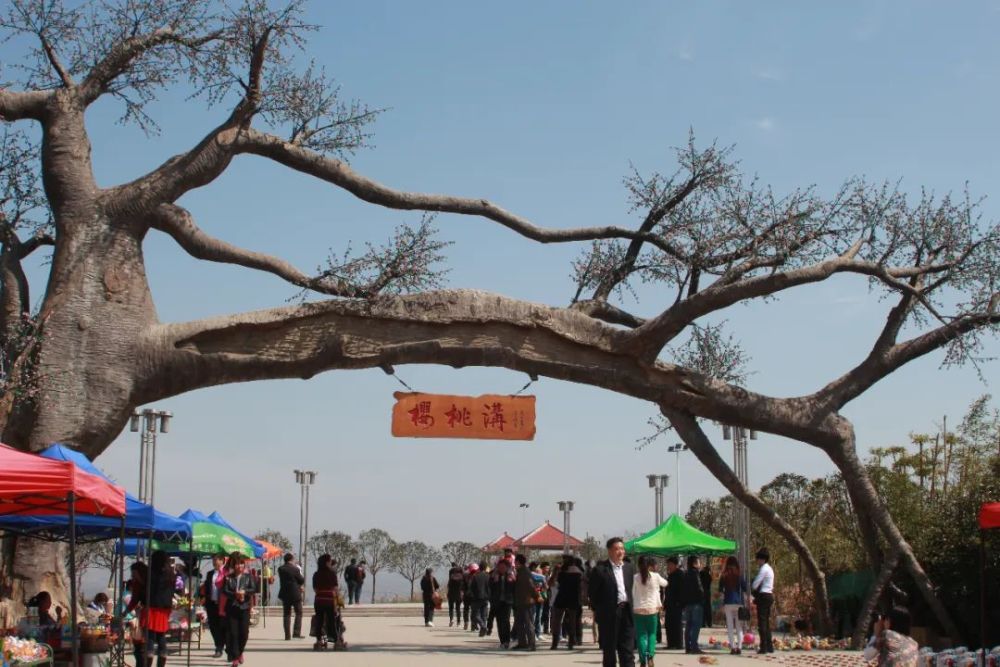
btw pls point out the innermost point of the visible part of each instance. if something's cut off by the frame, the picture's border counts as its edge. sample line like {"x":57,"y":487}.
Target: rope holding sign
{"x":533,"y":379}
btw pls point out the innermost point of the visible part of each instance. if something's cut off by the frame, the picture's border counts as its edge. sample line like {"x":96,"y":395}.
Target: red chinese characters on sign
{"x":488,"y":417}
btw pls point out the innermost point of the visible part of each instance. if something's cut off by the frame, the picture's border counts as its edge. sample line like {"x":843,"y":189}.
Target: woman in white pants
{"x":734,"y":590}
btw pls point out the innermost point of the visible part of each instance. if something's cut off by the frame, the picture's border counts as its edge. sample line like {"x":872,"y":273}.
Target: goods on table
{"x":16,"y":650}
{"x":957,"y":657}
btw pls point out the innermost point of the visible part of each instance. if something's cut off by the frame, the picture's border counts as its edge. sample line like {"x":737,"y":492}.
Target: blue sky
{"x":542,"y":107}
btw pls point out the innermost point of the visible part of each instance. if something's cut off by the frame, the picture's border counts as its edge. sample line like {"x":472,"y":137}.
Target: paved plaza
{"x":404,"y":641}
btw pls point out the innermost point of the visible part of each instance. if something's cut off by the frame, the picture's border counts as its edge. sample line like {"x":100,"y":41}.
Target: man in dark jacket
{"x":479,"y":596}
{"x":693,"y":597}
{"x":501,"y":600}
{"x":610,"y":591}
{"x":290,"y":583}
{"x":456,"y":587}
{"x":351,"y":579}
{"x":674,"y":607}
{"x":706,"y":601}
{"x":567,"y":602}
{"x":524,"y":605}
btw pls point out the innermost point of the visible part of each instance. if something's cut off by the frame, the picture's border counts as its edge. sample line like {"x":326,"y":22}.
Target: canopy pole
{"x":119,"y":598}
{"x":191,"y":586}
{"x":982,"y":592}
{"x":75,"y":646}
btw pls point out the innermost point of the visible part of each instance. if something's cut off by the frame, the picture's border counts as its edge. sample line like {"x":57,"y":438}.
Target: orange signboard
{"x":486,"y":417}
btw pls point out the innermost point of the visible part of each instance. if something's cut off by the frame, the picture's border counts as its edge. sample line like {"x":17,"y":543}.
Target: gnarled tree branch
{"x":178,"y":223}
{"x":21,"y":105}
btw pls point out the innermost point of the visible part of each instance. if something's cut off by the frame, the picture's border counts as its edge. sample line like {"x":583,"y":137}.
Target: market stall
{"x":31,"y":485}
{"x":140,"y":521}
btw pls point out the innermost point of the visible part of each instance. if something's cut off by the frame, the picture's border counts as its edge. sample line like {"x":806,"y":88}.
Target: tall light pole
{"x":145,"y":423}
{"x":565,"y":506}
{"x":305,"y":479}
{"x":741,"y":513}
{"x":658,"y":483}
{"x":524,"y":507}
{"x":677,"y":449}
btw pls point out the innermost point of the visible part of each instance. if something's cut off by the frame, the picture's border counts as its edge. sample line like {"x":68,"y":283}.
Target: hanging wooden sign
{"x":486,"y":417}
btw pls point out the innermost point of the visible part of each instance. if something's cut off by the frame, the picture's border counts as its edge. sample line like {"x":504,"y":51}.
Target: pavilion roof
{"x":505,"y":541}
{"x":547,"y":537}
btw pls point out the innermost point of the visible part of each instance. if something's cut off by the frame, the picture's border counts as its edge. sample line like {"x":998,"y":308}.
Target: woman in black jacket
{"x":239,"y":589}
{"x":428,"y":587}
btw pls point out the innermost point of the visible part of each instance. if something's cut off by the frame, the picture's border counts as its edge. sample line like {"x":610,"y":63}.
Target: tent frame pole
{"x":75,"y":644}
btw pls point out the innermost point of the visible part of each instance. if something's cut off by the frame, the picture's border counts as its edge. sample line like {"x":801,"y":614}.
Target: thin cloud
{"x":685,"y":52}
{"x":769,"y":74}
{"x":766,"y":124}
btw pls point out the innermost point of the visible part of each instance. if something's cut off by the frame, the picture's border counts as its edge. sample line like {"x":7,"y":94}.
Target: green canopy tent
{"x":677,"y":536}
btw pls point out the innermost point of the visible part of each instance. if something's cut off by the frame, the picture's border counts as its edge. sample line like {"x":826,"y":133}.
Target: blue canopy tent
{"x":141,"y":520}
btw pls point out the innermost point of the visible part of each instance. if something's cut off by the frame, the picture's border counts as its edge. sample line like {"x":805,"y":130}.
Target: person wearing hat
{"x":763,"y":596}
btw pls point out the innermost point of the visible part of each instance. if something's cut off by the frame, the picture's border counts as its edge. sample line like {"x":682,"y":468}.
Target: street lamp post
{"x":305,"y":479}
{"x":741,"y":513}
{"x":677,"y":449}
{"x":565,"y":506}
{"x":145,"y":423}
{"x":658,"y":483}
{"x":524,"y":508}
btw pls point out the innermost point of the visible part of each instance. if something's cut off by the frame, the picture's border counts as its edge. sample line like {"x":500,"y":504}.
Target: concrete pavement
{"x":390,"y":641}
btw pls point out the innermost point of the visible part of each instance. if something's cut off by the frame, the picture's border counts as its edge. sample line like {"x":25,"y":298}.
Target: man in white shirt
{"x":763,"y":595}
{"x":610,"y":591}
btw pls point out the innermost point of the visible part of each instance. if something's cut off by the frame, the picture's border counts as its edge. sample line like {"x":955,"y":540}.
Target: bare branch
{"x":34,"y":243}
{"x":122,"y":56}
{"x":650,"y":338}
{"x":57,"y":65}
{"x":178,"y":223}
{"x":340,"y":174}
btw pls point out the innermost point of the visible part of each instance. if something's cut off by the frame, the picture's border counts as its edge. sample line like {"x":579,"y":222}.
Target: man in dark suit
{"x":210,"y":590}
{"x":291,"y":582}
{"x":610,"y":591}
{"x":674,"y":607}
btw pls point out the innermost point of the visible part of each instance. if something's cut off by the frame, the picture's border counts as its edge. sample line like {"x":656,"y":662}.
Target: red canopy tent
{"x":31,"y":484}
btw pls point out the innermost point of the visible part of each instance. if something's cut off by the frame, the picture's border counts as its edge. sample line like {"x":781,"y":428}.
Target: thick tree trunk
{"x":689,"y":431}
{"x":861,"y":487}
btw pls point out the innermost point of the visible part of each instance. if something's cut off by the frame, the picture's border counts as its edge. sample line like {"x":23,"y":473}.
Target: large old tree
{"x":709,"y":237}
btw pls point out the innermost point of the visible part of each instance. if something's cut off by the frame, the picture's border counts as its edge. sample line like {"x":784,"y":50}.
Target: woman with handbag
{"x":734,"y":590}
{"x":429,"y":589}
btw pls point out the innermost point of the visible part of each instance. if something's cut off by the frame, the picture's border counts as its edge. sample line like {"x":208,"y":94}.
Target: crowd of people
{"x":633,"y":604}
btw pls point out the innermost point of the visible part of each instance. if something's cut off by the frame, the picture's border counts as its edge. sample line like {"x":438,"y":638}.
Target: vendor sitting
{"x":99,"y":603}
{"x":44,"y":603}
{"x":98,"y":610}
